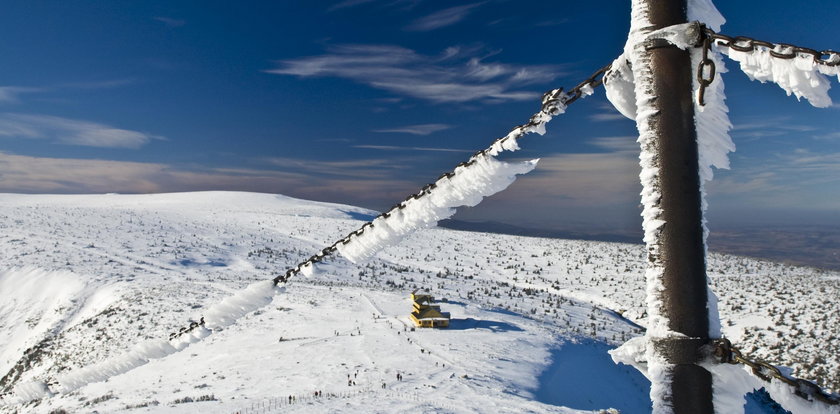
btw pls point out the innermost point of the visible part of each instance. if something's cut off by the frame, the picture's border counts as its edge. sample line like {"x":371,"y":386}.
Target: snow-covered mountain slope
{"x":85,"y":278}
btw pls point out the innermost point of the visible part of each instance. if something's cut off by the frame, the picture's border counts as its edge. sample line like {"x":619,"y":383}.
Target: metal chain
{"x":706,"y":68}
{"x":777,"y":50}
{"x":553,"y":102}
{"x":705,"y":71}
{"x":186,"y":330}
{"x":723,"y":347}
{"x":728,"y":354}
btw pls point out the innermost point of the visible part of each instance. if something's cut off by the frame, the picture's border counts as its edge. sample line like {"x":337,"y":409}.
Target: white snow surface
{"x":467,"y":187}
{"x":533,"y":318}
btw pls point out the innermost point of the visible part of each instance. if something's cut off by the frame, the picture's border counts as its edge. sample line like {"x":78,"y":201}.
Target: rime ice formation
{"x":631,"y":93}
{"x":483,"y":176}
{"x":800,"y":76}
{"x":467,"y":187}
{"x":217,"y":316}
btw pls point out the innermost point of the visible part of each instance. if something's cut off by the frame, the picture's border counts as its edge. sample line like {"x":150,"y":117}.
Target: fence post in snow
{"x":676,"y":255}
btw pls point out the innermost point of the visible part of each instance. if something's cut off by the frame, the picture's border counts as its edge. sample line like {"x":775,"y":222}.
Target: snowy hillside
{"x":85,"y":278}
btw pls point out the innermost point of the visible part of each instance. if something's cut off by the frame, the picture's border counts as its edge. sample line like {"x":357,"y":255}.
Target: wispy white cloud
{"x":347,"y":4}
{"x":422,"y":129}
{"x":763,"y":128}
{"x":604,"y":117}
{"x":747,"y":182}
{"x":607,"y":113}
{"x":442,"y":18}
{"x":27,"y":174}
{"x":804,"y":160}
{"x":369,"y":168}
{"x":402,"y":5}
{"x":57,"y":175}
{"x":70,"y":131}
{"x":99,"y":84}
{"x":398,"y":148}
{"x":616,"y":144}
{"x":11,"y":94}
{"x":795,"y":180}
{"x":171,"y":22}
{"x":831,"y":136}
{"x":457,"y":75}
{"x":570,"y":188}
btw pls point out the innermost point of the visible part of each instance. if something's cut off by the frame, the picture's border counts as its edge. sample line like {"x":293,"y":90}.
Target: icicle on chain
{"x":777,"y":50}
{"x":802,"y":388}
{"x":554,"y":102}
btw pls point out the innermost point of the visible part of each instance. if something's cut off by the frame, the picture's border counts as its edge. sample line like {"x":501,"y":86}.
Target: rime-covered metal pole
{"x":676,"y":275}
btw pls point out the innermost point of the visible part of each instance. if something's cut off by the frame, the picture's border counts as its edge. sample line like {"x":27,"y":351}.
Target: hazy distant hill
{"x":817,"y":246}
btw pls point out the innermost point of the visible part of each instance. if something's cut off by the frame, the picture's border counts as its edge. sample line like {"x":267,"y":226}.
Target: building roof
{"x":431,"y":314}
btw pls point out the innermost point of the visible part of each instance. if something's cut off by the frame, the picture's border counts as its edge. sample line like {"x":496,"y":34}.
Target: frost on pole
{"x":630,"y":89}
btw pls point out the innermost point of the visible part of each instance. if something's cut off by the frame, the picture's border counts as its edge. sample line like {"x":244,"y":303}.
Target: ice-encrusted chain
{"x":554,"y":102}
{"x":729,"y":354}
{"x":777,"y":50}
{"x":706,"y":68}
{"x":723,"y":348}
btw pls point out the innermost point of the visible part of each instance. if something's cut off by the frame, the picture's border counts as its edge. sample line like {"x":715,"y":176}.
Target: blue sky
{"x":365,"y":101}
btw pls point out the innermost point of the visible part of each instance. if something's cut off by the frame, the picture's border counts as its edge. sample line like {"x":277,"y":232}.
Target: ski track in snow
{"x":158,"y":261}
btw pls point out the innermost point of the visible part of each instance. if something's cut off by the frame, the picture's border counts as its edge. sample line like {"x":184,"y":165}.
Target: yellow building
{"x":425,"y":314}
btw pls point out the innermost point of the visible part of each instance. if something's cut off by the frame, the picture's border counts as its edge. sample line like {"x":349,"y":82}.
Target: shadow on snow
{"x":355,"y":215}
{"x":583,"y":376}
{"x":470,"y":323}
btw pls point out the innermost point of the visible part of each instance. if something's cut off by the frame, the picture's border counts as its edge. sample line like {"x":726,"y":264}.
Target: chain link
{"x":728,"y":354}
{"x":705,"y":71}
{"x":186,"y":329}
{"x":777,"y":50}
{"x":706,"y":68}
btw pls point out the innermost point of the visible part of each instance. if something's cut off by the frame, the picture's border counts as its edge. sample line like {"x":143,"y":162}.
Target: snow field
{"x":331,"y":335}
{"x":174,"y":261}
